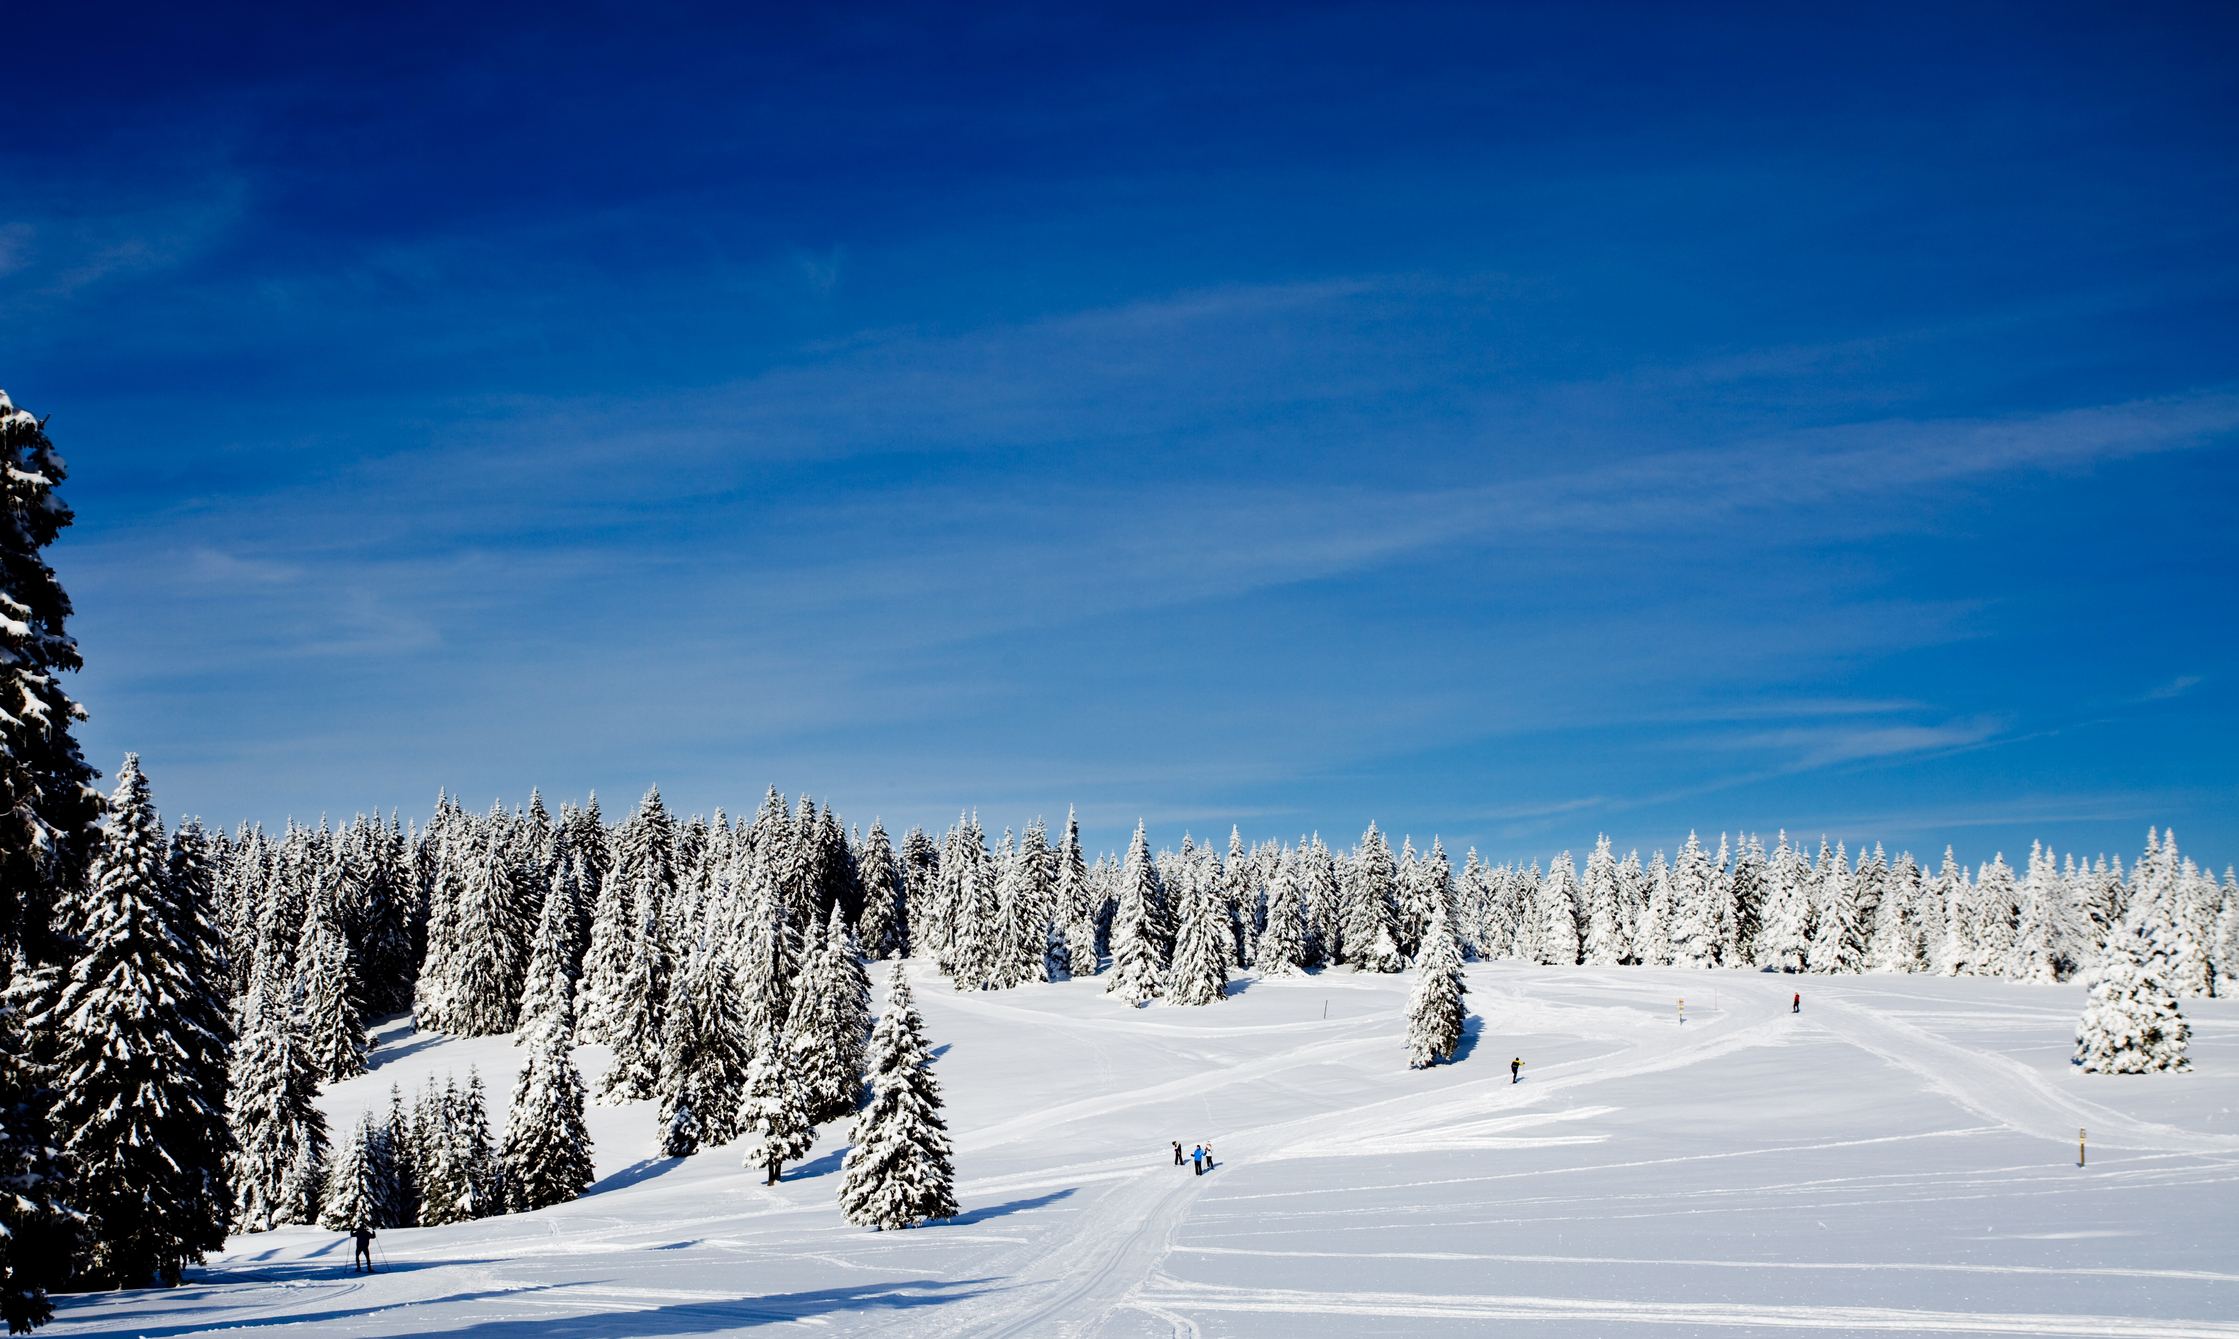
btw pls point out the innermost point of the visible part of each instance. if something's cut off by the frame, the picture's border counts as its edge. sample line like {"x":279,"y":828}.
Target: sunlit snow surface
{"x":1898,"y":1158}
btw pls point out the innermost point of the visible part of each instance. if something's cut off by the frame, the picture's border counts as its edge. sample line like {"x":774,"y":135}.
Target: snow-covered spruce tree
{"x":1076,"y":903}
{"x":638,"y":1008}
{"x":897,"y":1173}
{"x":1318,"y":894}
{"x":464,"y":1183}
{"x":1138,"y":974}
{"x":2130,"y":1022}
{"x":353,"y":1185}
{"x":133,"y":1116}
{"x":278,"y":1127}
{"x":1694,"y":935}
{"x":884,"y":926}
{"x":46,"y":796}
{"x":42,"y":1235}
{"x":1997,"y":916}
{"x":402,"y":1151}
{"x":775,"y":1118}
{"x":704,"y":1056}
{"x":2041,"y":930}
{"x":1371,"y":941}
{"x":1558,"y":901}
{"x":828,"y":1026}
{"x":546,"y":1156}
{"x":1282,"y":941}
{"x":1434,"y":1007}
{"x":549,"y":987}
{"x":1838,"y":943}
{"x":1017,"y":948}
{"x":1605,"y":940}
{"x":1784,"y":935}
{"x":968,"y":876}
{"x":332,"y":1026}
{"x":1200,"y":971}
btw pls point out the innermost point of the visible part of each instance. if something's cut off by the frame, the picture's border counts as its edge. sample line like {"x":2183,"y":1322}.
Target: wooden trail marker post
{"x":2079,"y":1146}
{"x":1683,"y":1013}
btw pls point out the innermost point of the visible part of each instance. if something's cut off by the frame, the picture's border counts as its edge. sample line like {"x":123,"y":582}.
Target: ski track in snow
{"x":1076,"y":1224}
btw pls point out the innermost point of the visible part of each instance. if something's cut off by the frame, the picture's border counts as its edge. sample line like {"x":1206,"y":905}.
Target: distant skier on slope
{"x":1177,"y":1153}
{"x":364,"y":1237}
{"x":1798,"y":1006}
{"x":1208,"y":1157}
{"x":1197,"y":1159}
{"x":1516,"y":1070}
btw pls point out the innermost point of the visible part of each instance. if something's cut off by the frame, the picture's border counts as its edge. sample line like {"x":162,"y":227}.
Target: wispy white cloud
{"x":2177,"y":687}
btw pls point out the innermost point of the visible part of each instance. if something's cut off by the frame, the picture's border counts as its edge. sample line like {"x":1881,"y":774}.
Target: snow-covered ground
{"x":1898,"y":1158}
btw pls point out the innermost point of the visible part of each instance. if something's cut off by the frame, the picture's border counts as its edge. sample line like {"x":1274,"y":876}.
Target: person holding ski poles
{"x":1516,"y":1070}
{"x":1177,"y":1153}
{"x":364,"y":1236}
{"x":1197,"y":1159}
{"x":1797,"y":1006}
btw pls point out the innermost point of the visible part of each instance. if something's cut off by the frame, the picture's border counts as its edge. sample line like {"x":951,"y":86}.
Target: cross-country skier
{"x":1208,"y":1157}
{"x":1516,"y":1070}
{"x":1177,"y":1153}
{"x":364,"y":1236}
{"x":1797,"y":1006}
{"x":1197,"y":1159}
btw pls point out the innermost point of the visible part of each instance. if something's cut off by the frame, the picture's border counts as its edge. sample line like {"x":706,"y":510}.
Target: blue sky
{"x":1509,"y":422}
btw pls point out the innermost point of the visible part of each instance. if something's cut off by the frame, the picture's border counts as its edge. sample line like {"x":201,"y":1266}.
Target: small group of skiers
{"x":1200,"y":1157}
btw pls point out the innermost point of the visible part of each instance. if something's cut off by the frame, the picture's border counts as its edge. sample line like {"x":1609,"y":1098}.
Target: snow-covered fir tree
{"x":884,"y":928}
{"x":45,"y":785}
{"x":1371,"y":939}
{"x":546,"y":1156}
{"x":1281,"y":950}
{"x":897,"y":1173}
{"x":774,"y":1115}
{"x":1559,"y":943}
{"x":828,"y":1025}
{"x":705,"y":1048}
{"x":2130,"y":1022}
{"x":1138,"y":972}
{"x":1435,"y":1013}
{"x":1076,"y":903}
{"x":332,"y":1026}
{"x":1784,"y":934}
{"x":1199,"y":974}
{"x":1605,"y":919}
{"x":1838,"y":941}
{"x":135,"y":1115}
{"x":42,"y":1234}
{"x":354,"y":1192}
{"x":282,"y":1135}
{"x":460,"y":1171}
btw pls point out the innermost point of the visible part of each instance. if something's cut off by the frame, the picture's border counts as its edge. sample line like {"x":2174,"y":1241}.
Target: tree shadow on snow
{"x":680,"y":1318}
{"x":388,"y":1052}
{"x":823,"y":1166}
{"x":1472,"y":1029}
{"x":1000,"y":1210}
{"x":644,"y":1170}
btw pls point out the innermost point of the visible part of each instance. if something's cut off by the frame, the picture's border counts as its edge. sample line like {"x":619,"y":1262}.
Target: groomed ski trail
{"x":1074,"y":1287}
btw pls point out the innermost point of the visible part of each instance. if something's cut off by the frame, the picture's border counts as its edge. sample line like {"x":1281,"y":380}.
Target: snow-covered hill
{"x":1900,"y":1157}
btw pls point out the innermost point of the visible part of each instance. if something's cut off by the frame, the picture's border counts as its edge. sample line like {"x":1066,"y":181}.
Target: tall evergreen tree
{"x":1605,"y":919}
{"x":1558,"y":900}
{"x":1282,"y":943}
{"x":1784,"y":935}
{"x":828,"y":1026}
{"x":1076,"y":903}
{"x":136,"y":1122}
{"x":1138,"y":974}
{"x":282,"y":1135}
{"x":354,"y":1193}
{"x":546,"y":1156}
{"x":46,"y":795}
{"x":2130,"y":1022}
{"x":775,"y":1116}
{"x":897,"y":1173}
{"x":884,"y":929}
{"x":333,"y":1027}
{"x":704,"y":1053}
{"x":1434,"y":1007}
{"x":1200,"y":971}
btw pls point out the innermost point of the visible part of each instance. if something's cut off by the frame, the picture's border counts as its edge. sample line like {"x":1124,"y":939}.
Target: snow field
{"x":1899,"y":1158}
